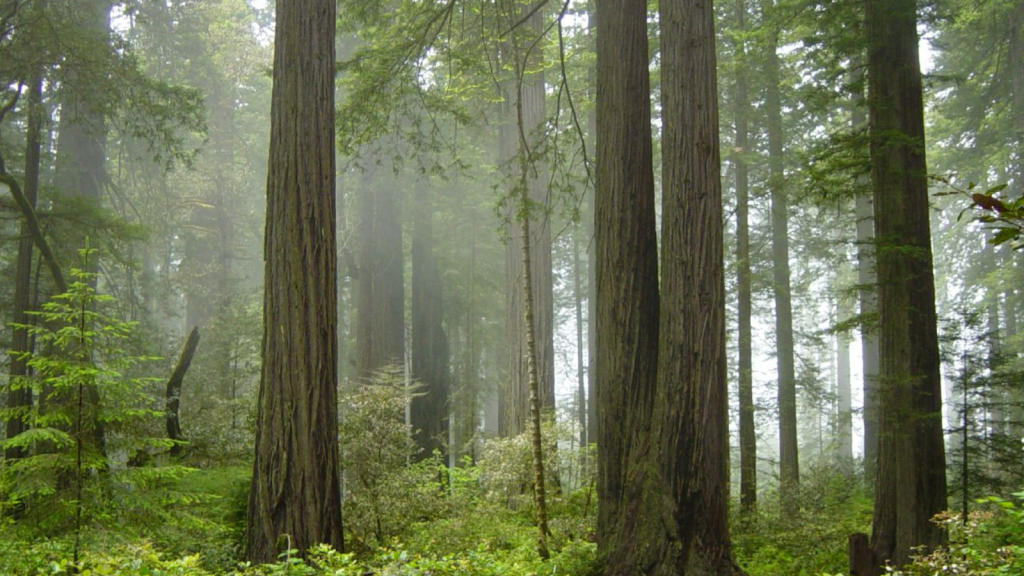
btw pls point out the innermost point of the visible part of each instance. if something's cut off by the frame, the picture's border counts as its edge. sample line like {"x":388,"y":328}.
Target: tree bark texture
{"x":910,"y":485}
{"x":380,"y":306}
{"x":430,"y":354}
{"x":691,"y":411}
{"x":525,"y":102}
{"x":748,"y":434}
{"x":627,"y":296}
{"x":295,"y":491}
{"x":789,"y":465}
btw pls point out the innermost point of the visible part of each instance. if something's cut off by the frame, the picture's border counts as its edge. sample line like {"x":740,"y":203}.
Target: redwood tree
{"x":295,"y":487}
{"x":910,"y":484}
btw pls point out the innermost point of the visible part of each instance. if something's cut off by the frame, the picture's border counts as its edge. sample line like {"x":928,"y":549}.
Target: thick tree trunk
{"x":691,"y":410}
{"x":788,"y":443}
{"x":910,"y":484}
{"x":627,"y":297}
{"x":20,"y":397}
{"x":526,"y":102}
{"x":430,"y":354}
{"x":295,"y":490}
{"x":748,"y":434}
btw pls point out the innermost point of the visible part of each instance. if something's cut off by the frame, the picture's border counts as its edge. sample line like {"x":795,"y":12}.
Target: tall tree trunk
{"x":581,"y":392}
{"x":295,"y":487}
{"x":910,"y":485}
{"x":20,"y":397}
{"x":788,"y":443}
{"x":81,"y":162}
{"x":748,"y":434}
{"x":537,"y":445}
{"x":691,"y":409}
{"x":589,"y":215}
{"x":526,"y":101}
{"x":864,"y":211}
{"x":430,"y":354}
{"x":380,"y":310}
{"x":843,"y":392}
{"x":627,"y":296}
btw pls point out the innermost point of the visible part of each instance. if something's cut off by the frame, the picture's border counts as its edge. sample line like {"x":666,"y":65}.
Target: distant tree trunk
{"x":20,"y":397}
{"x":466,"y":396}
{"x":910,"y":485}
{"x":748,"y":434}
{"x":865,"y":215}
{"x":380,"y":308}
{"x":295,"y":491}
{"x":81,"y":163}
{"x":430,"y":355}
{"x":843,"y":392}
{"x":788,"y":443}
{"x":581,"y":391}
{"x":691,"y":415}
{"x":627,"y":296}
{"x":526,"y":101}
{"x":174,"y":383}
{"x":589,"y":215}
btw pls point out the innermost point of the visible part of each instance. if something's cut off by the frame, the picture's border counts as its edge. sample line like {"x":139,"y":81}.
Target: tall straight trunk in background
{"x":21,"y":397}
{"x":592,"y":420}
{"x":748,"y":435}
{"x":81,"y":163}
{"x":295,"y":490}
{"x":867,"y":295}
{"x":430,"y":354}
{"x":691,"y":414}
{"x":789,"y":462}
{"x":844,"y":447}
{"x":581,"y":388}
{"x":525,"y":102}
{"x":627,"y":294}
{"x":910,"y":485}
{"x":380,"y":292}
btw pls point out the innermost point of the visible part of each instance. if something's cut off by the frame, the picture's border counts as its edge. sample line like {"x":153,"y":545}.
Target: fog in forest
{"x":511,"y":287}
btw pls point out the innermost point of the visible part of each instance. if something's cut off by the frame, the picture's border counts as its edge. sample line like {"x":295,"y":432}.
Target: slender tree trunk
{"x":627,"y":296}
{"x":592,"y":420}
{"x":430,"y":354}
{"x":534,"y":381}
{"x":581,"y":392}
{"x":864,"y":211}
{"x":910,"y":485}
{"x":748,"y":434}
{"x":295,"y":491}
{"x":527,"y":101}
{"x":20,"y":397}
{"x":843,"y":392}
{"x":788,"y":442}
